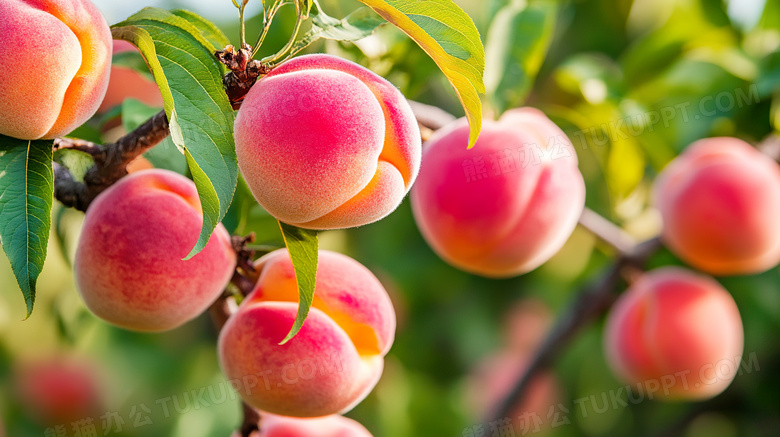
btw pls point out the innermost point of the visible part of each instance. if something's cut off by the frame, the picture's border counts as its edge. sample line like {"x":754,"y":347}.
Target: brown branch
{"x":110,"y":165}
{"x":592,"y":301}
{"x":251,"y":423}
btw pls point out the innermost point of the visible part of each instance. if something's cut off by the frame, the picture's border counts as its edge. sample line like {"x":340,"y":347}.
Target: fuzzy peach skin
{"x":333,"y":362}
{"x":55,"y":56}
{"x":505,"y":206}
{"x":126,"y":82}
{"x":128,"y":265}
{"x":329,"y":426}
{"x":324,"y":143}
{"x":720,"y":200}
{"x":677,"y":331}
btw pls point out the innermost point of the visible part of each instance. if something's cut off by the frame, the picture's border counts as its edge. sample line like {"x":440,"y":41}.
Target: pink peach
{"x":324,"y":143}
{"x":505,"y":206}
{"x":55,"y":56}
{"x":677,"y":330}
{"x":720,"y":200}
{"x":336,"y":358}
{"x":128,"y":264}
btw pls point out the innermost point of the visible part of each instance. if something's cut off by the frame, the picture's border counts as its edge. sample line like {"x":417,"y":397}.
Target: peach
{"x":55,"y":57}
{"x":336,"y":358}
{"x":329,"y":426}
{"x":58,"y":390}
{"x":324,"y":143}
{"x":506,"y":206}
{"x":125,"y":82}
{"x":128,"y":264}
{"x":677,"y":331}
{"x":720,"y":200}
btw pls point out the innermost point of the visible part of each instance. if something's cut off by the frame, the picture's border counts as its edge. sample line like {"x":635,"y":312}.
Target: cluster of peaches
{"x":325,"y":144}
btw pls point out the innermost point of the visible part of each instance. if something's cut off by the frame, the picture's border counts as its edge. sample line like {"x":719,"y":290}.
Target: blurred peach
{"x":58,"y":389}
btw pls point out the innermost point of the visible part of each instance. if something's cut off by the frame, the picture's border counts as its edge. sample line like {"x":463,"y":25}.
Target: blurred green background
{"x":631,"y":82}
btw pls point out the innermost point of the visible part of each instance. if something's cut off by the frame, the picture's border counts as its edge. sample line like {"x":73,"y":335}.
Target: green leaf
{"x":303,"y":245}
{"x":26,"y":193}
{"x":517,"y":43}
{"x":357,"y":25}
{"x":200,"y":115}
{"x":451,"y":39}
{"x":207,"y":29}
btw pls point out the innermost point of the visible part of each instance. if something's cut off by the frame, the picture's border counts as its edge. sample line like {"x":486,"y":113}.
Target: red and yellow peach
{"x":506,"y":206}
{"x":55,"y":56}
{"x":128,"y":264}
{"x":677,"y":330}
{"x":720,"y":200}
{"x":336,"y":358}
{"x":324,"y":143}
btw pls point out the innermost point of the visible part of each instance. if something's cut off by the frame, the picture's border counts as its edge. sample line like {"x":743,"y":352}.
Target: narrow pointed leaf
{"x":303,"y":245}
{"x":26,"y":196}
{"x":181,"y":58}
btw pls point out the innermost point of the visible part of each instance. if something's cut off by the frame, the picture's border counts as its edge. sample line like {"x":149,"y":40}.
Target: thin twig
{"x":251,"y":422}
{"x":431,"y":117}
{"x":607,"y":232}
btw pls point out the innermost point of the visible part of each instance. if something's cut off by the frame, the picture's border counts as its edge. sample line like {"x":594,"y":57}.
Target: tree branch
{"x":592,"y":301}
{"x":431,"y":117}
{"x":110,"y":165}
{"x":607,"y":232}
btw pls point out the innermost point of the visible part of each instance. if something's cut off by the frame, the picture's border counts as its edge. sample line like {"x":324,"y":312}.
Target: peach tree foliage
{"x":178,"y":47}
